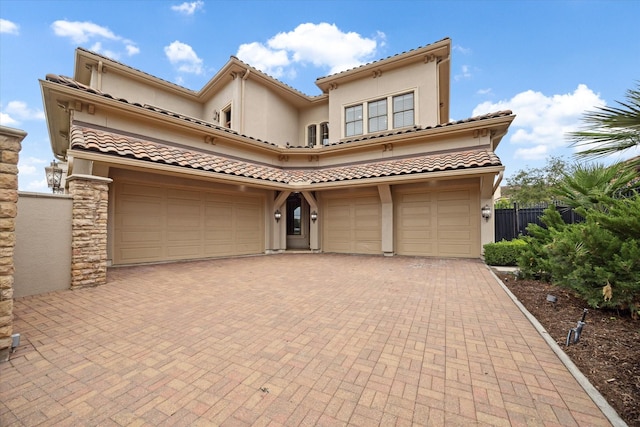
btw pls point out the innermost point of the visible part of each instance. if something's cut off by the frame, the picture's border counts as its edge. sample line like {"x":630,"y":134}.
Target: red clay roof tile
{"x":113,"y":144}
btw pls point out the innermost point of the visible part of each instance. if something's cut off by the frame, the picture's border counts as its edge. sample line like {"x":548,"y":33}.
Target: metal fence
{"x":511,"y":223}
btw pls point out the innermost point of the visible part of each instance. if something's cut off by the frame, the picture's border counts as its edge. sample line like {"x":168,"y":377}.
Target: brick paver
{"x":292,"y":339}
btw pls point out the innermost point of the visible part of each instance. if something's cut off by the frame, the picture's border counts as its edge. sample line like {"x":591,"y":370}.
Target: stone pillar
{"x":89,"y":230}
{"x":10,"y":145}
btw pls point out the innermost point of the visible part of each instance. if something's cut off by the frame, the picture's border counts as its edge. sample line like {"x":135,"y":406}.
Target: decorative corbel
{"x":283,"y":158}
{"x":314,"y":158}
{"x":77,"y":105}
{"x":429,"y":58}
{"x":91,"y":109}
{"x":387,"y":147}
{"x":377,"y":73}
{"x":209,"y":139}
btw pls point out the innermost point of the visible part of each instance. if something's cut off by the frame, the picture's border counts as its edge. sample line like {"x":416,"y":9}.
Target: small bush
{"x":504,"y":252}
{"x":534,"y":259}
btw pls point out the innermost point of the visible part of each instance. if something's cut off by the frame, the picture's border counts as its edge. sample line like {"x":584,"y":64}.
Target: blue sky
{"x":548,"y":61}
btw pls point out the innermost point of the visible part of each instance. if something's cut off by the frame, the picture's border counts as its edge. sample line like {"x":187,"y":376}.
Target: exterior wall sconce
{"x":277,"y":215}
{"x":486,"y":212}
{"x":54,"y":177}
{"x":314,"y":216}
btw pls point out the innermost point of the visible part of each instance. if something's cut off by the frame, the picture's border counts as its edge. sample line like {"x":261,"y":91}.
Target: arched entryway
{"x":298,"y":224}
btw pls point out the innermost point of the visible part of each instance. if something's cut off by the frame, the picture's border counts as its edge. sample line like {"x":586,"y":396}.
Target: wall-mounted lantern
{"x":486,"y":212}
{"x":314,"y":216}
{"x":277,"y":215}
{"x":54,"y":177}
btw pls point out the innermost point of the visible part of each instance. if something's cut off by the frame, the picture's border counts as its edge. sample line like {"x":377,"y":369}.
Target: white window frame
{"x":324,"y":136}
{"x":377,"y":117}
{"x":355,"y":121}
{"x":401,"y":113}
{"x":312,"y":135}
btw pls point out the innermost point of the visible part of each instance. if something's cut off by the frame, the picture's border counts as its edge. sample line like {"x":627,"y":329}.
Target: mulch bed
{"x":608,"y":352}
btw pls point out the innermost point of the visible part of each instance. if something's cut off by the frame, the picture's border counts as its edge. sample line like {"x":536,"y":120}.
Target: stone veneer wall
{"x":89,"y":230}
{"x":10,"y":145}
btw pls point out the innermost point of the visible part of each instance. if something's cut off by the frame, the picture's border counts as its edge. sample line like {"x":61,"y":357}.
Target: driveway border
{"x":593,"y":393}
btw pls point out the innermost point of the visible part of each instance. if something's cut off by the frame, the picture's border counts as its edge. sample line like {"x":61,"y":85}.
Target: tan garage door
{"x":438,"y":223}
{"x":156,"y":223}
{"x":352,"y":225}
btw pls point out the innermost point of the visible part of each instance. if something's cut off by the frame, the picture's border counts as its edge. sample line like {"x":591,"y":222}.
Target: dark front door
{"x":297,"y":222}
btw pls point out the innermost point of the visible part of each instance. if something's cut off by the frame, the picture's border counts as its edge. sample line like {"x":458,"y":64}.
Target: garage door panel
{"x":145,"y":254}
{"x":140,"y":221}
{"x":353,"y":225}
{"x":183,"y":251}
{"x":142,"y":237}
{"x":437,"y":223}
{"x":455,"y":235}
{"x":155,"y":223}
{"x":462,"y":195}
{"x":141,"y":189}
{"x":415,"y":197}
{"x":140,"y":204}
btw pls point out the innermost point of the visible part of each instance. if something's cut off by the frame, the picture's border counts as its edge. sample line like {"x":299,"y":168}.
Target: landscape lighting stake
{"x":577,"y":330}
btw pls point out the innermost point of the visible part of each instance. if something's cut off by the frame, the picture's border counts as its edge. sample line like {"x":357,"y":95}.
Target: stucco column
{"x":89,"y":230}
{"x":10,"y":145}
{"x":387,"y":219}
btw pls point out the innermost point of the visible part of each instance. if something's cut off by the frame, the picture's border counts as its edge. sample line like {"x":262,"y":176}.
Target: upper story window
{"x":377,"y":115}
{"x":353,"y":120}
{"x":324,"y":133}
{"x":403,"y":110}
{"x":226,"y":117}
{"x":311,"y":135}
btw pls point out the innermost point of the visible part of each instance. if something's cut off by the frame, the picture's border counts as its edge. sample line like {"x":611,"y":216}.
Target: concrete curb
{"x":593,"y":393}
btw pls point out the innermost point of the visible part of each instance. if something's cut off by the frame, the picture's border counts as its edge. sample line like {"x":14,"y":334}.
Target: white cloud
{"x":184,"y":57}
{"x":188,"y":8}
{"x":17,"y":111}
{"x":487,"y":91}
{"x":542,"y":121}
{"x":8,"y":27}
{"x":83,"y":32}
{"x":465,"y":73}
{"x":462,"y":50}
{"x":321,"y":45}
{"x":37,"y":185}
{"x":132,"y":50}
{"x":7,"y":120}
{"x":263,"y":58}
{"x":31,"y":166}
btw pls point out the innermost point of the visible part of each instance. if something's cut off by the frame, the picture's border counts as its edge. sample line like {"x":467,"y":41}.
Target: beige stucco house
{"x":249,"y":165}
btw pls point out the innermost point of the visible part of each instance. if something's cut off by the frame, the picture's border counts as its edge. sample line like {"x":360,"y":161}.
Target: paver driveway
{"x":292,"y":339}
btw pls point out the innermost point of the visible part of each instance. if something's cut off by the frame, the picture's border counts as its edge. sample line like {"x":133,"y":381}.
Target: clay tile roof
{"x":380,"y":60}
{"x":497,"y":114}
{"x":69,"y":82}
{"x":118,"y":145}
{"x":66,"y":81}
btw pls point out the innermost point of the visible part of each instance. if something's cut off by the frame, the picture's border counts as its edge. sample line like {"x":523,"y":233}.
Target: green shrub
{"x":504,"y":252}
{"x":599,"y":259}
{"x":588,"y":257}
{"x":534,"y":259}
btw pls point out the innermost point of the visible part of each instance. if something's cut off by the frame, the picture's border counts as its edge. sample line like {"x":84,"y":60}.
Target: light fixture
{"x":314,"y":216}
{"x":54,"y":177}
{"x":277,"y":215}
{"x":486,"y":212}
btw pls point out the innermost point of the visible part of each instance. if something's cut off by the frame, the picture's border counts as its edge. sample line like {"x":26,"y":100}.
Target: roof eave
{"x":274,"y":185}
{"x":438,"y":50}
